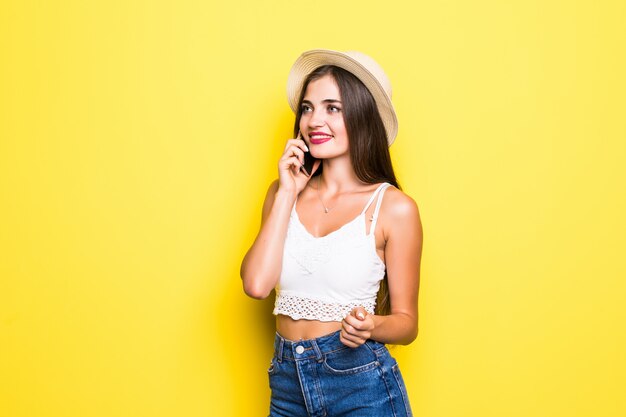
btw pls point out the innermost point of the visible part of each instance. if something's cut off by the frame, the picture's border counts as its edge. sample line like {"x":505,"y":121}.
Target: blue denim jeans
{"x":323,"y":377}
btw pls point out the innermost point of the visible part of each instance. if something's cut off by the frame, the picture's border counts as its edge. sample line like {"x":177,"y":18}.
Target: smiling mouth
{"x":318,"y":138}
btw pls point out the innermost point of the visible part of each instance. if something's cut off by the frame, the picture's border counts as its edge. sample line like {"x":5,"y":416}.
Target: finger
{"x":356,"y":341}
{"x":350,"y":328}
{"x":348,"y":342}
{"x":295,"y":151}
{"x":363,"y":333}
{"x":303,"y":142}
{"x":360,"y":313}
{"x":293,"y":164}
{"x":291,"y":142}
{"x":354,"y":323}
{"x":298,"y":143}
{"x":288,"y":160}
{"x":355,"y":337}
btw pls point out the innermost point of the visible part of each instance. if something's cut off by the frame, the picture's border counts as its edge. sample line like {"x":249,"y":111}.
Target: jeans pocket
{"x":400,"y":381}
{"x":351,"y":360}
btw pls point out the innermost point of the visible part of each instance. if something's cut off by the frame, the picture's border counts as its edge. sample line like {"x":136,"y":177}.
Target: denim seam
{"x":382,"y":348}
{"x":320,"y":394}
{"x":375,"y":351}
{"x":356,"y":370}
{"x":337,"y":350}
{"x":306,"y":402}
{"x":395,"y":369}
{"x":389,"y":394}
{"x":318,"y":353}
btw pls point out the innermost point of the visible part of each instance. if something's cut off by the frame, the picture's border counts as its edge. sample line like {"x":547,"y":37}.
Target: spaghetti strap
{"x":377,"y":209}
{"x":371,"y":200}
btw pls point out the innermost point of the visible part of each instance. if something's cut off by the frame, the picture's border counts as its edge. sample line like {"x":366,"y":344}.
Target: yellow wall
{"x":137,"y":140}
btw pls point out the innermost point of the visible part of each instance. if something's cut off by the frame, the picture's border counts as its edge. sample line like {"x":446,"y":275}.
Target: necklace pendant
{"x":325,"y":210}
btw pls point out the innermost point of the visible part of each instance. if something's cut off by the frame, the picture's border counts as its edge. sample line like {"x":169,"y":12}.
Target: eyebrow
{"x":328,"y":100}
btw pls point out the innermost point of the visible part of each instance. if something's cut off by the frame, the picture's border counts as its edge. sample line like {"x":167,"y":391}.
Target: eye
{"x":334,"y":109}
{"x":305,"y":108}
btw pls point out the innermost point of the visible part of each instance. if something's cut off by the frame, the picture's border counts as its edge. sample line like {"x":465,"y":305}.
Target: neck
{"x":338,"y":176}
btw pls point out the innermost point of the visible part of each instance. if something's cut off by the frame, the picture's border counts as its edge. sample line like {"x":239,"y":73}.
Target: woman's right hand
{"x":290,"y":177}
{"x":262,"y":265}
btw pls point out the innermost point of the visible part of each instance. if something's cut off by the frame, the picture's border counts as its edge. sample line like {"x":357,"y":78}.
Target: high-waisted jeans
{"x":323,"y":377}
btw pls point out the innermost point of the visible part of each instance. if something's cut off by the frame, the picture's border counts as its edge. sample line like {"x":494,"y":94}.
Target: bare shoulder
{"x":399,"y":212}
{"x":398,"y":205}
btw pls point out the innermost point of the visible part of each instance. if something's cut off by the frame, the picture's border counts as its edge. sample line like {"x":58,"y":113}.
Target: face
{"x":321,"y":123}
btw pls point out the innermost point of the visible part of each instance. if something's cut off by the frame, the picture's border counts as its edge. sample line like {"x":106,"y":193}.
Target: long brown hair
{"x":369,"y":151}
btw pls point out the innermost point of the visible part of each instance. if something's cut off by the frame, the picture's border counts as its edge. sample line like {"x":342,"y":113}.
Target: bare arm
{"x":262,"y":265}
{"x":403,"y":250}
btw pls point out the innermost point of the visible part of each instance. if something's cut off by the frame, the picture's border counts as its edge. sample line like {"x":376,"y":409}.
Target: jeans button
{"x":300,"y":350}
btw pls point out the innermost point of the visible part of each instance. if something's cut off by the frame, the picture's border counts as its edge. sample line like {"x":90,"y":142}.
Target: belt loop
{"x":281,"y":343}
{"x":318,"y":353}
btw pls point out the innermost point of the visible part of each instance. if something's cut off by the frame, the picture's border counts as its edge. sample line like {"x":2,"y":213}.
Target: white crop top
{"x":324,"y":278}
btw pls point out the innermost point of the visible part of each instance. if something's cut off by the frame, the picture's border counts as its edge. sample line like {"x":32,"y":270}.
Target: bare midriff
{"x":295,"y":330}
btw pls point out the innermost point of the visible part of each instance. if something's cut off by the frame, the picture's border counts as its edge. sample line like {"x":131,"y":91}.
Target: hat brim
{"x":310,"y":60}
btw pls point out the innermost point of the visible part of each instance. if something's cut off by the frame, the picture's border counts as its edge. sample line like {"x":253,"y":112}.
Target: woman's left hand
{"x":356,"y":327}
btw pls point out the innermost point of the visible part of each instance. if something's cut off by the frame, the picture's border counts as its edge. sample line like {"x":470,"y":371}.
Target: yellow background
{"x":137,"y":139}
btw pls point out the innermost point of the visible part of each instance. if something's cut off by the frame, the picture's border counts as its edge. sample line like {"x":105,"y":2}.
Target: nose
{"x":317,"y":118}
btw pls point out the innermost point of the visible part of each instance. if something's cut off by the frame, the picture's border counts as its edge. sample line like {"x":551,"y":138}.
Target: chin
{"x":328,"y":153}
{"x":324,"y":155}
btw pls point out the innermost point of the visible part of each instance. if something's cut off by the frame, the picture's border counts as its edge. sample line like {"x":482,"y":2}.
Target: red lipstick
{"x":318,"y":138}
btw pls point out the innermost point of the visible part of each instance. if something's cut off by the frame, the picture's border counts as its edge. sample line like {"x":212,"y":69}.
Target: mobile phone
{"x":309,"y":160}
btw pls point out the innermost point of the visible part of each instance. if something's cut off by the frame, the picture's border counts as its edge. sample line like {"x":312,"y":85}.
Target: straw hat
{"x":359,"y":64}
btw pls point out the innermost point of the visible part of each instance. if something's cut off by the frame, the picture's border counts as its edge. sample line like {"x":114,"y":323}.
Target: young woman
{"x":344,"y":261}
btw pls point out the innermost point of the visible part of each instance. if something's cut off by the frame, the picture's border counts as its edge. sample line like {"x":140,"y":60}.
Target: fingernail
{"x":360,"y":315}
{"x":306,"y":147}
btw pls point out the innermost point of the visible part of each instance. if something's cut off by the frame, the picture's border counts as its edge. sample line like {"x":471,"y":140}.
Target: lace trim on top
{"x":298,"y":307}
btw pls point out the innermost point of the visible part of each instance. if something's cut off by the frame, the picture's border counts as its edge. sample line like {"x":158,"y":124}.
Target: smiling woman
{"x":344,"y":261}
{"x":321,"y":118}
